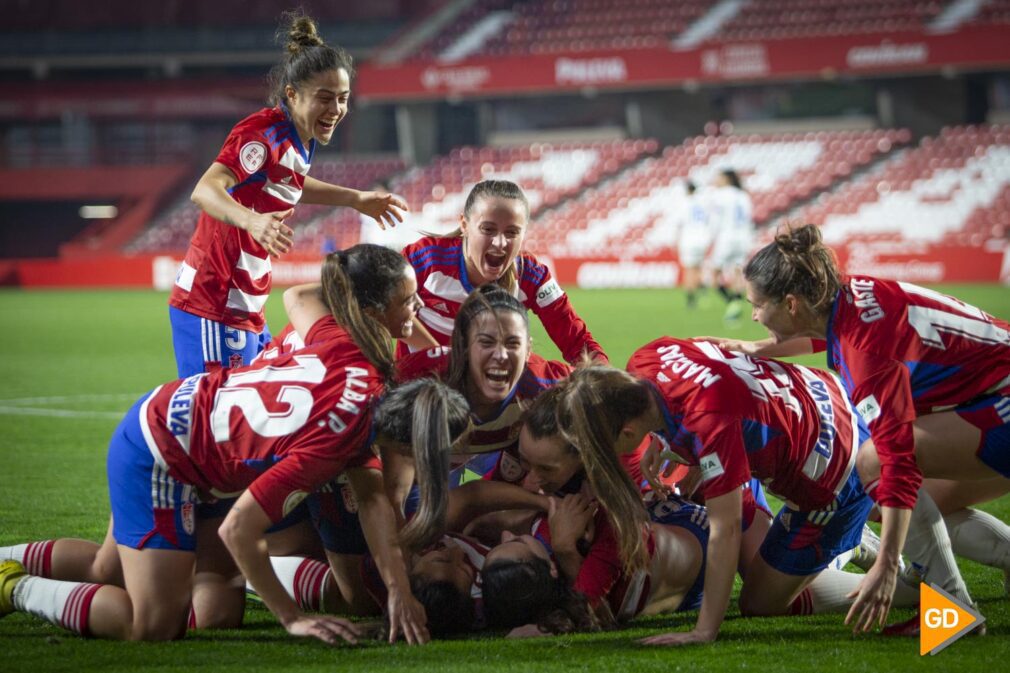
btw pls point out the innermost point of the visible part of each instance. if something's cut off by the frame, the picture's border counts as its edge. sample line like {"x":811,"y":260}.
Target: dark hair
{"x":485,"y":298}
{"x":732,"y":177}
{"x":429,"y":416}
{"x":450,"y":612}
{"x":371,"y":275}
{"x":594,"y":404}
{"x":306,"y":55}
{"x":541,"y":418}
{"x":523,"y":592}
{"x":690,"y":186}
{"x":796,"y":263}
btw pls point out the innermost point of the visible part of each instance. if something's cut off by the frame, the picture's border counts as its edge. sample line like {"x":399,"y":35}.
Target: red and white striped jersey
{"x":903,"y":351}
{"x":443,"y":285}
{"x":280,"y":427}
{"x":792,"y":427}
{"x":226,"y":274}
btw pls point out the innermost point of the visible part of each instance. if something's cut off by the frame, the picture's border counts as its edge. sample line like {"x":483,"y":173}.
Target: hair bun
{"x":799,"y":240}
{"x":302,"y":34}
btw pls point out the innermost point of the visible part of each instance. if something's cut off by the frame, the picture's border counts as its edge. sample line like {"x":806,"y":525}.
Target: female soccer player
{"x":261,"y":173}
{"x":734,"y":417}
{"x":274,"y":432}
{"x":929,"y":374}
{"x":729,"y":214}
{"x":590,"y":561}
{"x":487,"y":249}
{"x":490,"y":363}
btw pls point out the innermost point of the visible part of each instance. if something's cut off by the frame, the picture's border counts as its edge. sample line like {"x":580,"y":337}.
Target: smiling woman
{"x":487,"y":250}
{"x":248,"y":194}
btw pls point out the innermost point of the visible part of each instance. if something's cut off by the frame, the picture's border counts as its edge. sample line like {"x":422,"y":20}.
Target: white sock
{"x":829,"y":589}
{"x":839,"y":561}
{"x":303,"y":578}
{"x":980,"y":537}
{"x":36,"y":557}
{"x":66,"y":604}
{"x":928,"y":547}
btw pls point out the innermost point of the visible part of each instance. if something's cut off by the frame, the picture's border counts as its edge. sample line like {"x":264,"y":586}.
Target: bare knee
{"x":753,"y":604}
{"x":159,"y":625}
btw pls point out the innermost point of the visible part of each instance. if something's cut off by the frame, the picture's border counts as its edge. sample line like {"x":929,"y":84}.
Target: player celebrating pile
{"x":486,"y":249}
{"x":274,"y":432}
{"x":261,"y":173}
{"x":929,"y":374}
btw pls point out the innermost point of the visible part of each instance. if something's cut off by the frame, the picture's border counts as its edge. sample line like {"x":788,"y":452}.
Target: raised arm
{"x":304,"y":306}
{"x":268,"y":229}
{"x":385,"y":209}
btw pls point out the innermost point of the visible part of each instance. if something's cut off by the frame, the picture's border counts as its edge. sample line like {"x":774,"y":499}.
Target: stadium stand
{"x":635,"y":212}
{"x":771,"y":19}
{"x":953,"y":188}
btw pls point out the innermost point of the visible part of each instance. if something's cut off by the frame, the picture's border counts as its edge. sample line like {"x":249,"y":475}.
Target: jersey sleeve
{"x":246,"y":151}
{"x":601,"y":569}
{"x":314,"y":462}
{"x":722,"y":456}
{"x":430,"y":362}
{"x":550,"y":303}
{"x":882,"y":393}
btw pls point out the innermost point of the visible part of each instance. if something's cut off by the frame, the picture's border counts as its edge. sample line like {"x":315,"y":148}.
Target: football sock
{"x":36,"y":557}
{"x":66,"y":604}
{"x":830,"y":589}
{"x":303,"y":578}
{"x":980,"y":537}
{"x":928,"y":547}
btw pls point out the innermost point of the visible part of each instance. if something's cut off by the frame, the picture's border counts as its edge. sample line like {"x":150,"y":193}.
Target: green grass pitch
{"x":73,"y":362}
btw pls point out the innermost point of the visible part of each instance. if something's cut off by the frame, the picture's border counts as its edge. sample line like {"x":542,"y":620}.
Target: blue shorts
{"x":150,"y":509}
{"x":219,"y":509}
{"x":803,"y":542}
{"x":334,"y":513}
{"x":201,"y":344}
{"x":692,"y":517}
{"x":991,"y":415}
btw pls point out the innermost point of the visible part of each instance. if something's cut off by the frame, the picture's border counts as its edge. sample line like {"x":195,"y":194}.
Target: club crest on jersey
{"x":294,"y":499}
{"x":188,"y":516}
{"x":510,"y":468}
{"x":252,"y":156}
{"x":350,"y":502}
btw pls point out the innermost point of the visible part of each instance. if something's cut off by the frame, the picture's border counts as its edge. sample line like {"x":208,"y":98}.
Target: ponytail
{"x":361,"y":277}
{"x":428,"y":416}
{"x":595,"y":403}
{"x":797,"y":262}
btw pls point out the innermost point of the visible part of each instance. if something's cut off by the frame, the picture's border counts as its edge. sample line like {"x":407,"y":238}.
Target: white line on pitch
{"x":57,"y":399}
{"x":59,"y":413}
